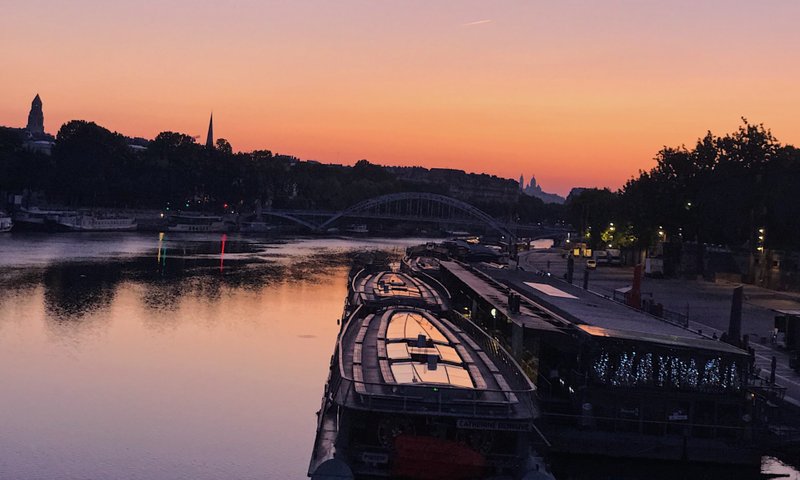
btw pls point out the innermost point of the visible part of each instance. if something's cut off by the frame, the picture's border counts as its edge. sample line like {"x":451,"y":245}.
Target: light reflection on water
{"x":120,"y":359}
{"x":139,"y":356}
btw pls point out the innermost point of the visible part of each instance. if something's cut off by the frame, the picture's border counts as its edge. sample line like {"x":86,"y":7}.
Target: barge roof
{"x":666,"y":340}
{"x":409,"y":359}
{"x":530,"y":316}
{"x":566,"y":304}
{"x":395,"y":288}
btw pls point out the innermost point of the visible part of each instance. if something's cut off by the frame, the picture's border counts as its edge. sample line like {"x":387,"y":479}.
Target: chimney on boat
{"x":433,"y":362}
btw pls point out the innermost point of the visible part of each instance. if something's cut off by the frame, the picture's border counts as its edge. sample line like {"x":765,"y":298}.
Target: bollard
{"x":735,"y":323}
{"x":586,"y":279}
{"x":772,"y":368}
{"x":570,"y":268}
{"x":634,"y":297}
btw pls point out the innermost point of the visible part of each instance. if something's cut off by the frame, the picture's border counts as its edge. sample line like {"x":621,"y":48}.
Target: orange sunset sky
{"x":577,"y":93}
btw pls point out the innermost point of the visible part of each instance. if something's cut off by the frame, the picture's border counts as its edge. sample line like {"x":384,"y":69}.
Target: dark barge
{"x":616,"y":383}
{"x":417,"y":391}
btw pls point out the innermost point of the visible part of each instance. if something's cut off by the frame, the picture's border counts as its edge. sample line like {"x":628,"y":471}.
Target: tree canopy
{"x":722,"y":191}
{"x":92,"y":166}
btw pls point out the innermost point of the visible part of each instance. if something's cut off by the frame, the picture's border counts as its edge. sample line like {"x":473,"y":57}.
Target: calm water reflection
{"x":123,"y":359}
{"x":145,"y":357}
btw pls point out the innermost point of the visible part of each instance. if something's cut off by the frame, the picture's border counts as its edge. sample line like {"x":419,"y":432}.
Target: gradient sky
{"x":577,"y":93}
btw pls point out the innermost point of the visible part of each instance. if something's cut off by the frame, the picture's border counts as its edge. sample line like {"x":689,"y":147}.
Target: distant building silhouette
{"x":36,"y":118}
{"x":469,"y":187}
{"x":210,"y":137}
{"x":521,"y":184}
{"x":35,"y":138}
{"x":534,"y":190}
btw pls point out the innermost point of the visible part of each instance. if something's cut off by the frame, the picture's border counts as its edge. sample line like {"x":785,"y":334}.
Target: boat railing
{"x":767,"y":391}
{"x":355,"y":277}
{"x":347,"y":322}
{"x":430,"y":398}
{"x":743,"y":430}
{"x":514,"y":399}
{"x":431,"y":301}
{"x":410,"y":302}
{"x":429,"y":278}
{"x":505,"y":362}
{"x":407,"y":267}
{"x":405,"y":264}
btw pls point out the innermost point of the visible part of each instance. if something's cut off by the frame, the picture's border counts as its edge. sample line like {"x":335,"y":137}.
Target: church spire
{"x":210,"y":137}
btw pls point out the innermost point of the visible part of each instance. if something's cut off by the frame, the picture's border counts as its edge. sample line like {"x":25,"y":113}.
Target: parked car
{"x":591,"y":264}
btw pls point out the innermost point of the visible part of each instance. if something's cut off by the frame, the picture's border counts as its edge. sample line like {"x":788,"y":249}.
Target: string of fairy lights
{"x":631,"y":368}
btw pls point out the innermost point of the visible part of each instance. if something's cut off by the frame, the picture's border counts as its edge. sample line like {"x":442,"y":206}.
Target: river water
{"x":139,"y":356}
{"x":135,"y":356}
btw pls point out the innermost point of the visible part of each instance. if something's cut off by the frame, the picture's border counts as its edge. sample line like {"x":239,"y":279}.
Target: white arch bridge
{"x":410,"y":207}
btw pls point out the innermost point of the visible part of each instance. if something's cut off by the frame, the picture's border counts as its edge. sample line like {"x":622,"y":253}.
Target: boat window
{"x":459,"y":377}
{"x":403,"y":372}
{"x":410,"y":372}
{"x":398,"y":351}
{"x":448,"y":354}
{"x":404,"y":351}
{"x":409,"y":325}
{"x":402,"y":333}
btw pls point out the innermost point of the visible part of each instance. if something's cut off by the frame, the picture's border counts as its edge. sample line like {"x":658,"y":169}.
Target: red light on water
{"x":222,"y":253}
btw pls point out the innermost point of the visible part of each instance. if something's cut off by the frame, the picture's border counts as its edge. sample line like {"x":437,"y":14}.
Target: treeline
{"x":92,"y":166}
{"x":739,"y":190}
{"x":723,"y":190}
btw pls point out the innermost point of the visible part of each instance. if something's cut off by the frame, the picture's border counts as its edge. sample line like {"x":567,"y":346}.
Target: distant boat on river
{"x":95,"y":222}
{"x":197,"y":223}
{"x":34,"y":218}
{"x":358,"y":229}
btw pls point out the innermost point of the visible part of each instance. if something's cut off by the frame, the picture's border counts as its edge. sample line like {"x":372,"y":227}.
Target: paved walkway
{"x":707,"y":304}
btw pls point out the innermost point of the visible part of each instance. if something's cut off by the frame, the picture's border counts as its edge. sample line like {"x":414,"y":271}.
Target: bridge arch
{"x":443,"y":200}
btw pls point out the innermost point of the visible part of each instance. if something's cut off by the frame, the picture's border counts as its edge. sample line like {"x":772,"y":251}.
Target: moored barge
{"x":616,"y":383}
{"x":417,"y":391}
